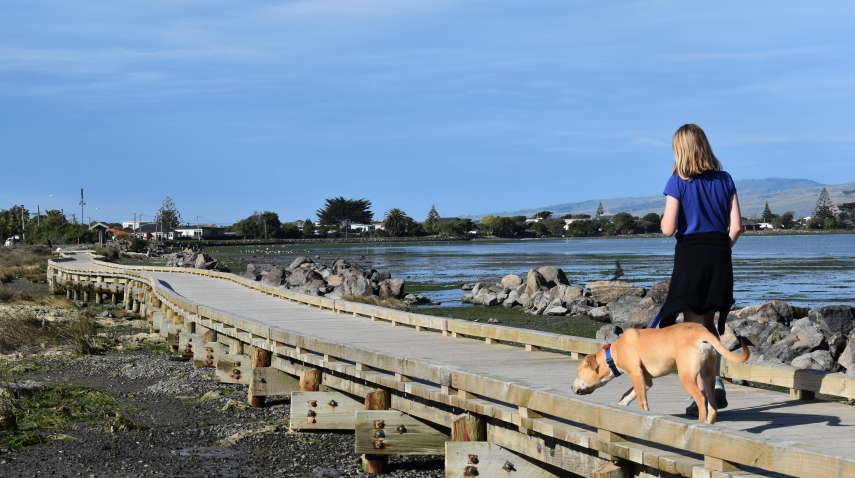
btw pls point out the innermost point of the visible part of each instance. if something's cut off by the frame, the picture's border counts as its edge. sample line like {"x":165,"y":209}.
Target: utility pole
{"x":197,"y":227}
{"x":23,"y":225}
{"x":82,"y":203}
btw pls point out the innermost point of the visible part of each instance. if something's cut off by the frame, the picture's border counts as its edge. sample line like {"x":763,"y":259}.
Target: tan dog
{"x":649,"y":353}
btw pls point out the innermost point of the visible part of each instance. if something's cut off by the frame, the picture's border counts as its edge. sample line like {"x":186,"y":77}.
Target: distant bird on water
{"x":618,"y":271}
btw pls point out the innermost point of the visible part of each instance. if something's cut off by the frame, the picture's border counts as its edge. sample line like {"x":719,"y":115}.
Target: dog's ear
{"x":593,"y":363}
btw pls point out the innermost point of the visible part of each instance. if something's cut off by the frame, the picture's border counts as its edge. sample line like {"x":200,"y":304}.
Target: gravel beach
{"x":178,"y":432}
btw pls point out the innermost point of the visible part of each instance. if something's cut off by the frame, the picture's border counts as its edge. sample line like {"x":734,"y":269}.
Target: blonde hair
{"x":693,"y":154}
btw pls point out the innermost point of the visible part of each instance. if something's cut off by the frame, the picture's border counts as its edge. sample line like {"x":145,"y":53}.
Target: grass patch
{"x":579,"y":326}
{"x":372,"y":300}
{"x":157,"y":348}
{"x":21,"y":329}
{"x":23,"y":367}
{"x":53,"y":408}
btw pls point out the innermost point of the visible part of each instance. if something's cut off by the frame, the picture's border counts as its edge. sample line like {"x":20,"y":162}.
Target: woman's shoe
{"x":692,"y":410}
{"x":720,"y":394}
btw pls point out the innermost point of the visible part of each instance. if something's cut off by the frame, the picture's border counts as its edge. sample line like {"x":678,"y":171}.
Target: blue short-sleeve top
{"x":704,"y":202}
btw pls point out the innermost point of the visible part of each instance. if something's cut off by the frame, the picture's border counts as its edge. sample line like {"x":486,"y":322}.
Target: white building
{"x":204,"y":231}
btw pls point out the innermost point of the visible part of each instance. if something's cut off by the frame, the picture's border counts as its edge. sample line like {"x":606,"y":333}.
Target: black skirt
{"x":702,"y":277}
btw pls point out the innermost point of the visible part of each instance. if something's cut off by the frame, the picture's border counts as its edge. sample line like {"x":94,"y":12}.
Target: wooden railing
{"x":517,"y":404}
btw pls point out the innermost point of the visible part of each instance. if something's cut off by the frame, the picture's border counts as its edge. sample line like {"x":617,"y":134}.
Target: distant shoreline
{"x":393,"y":240}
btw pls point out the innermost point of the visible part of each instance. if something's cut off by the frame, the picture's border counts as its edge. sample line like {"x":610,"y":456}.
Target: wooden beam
{"x":323,"y":411}
{"x":206,"y":355}
{"x":233,"y":369}
{"x":187,"y":342}
{"x":484,"y":459}
{"x":391,"y":432}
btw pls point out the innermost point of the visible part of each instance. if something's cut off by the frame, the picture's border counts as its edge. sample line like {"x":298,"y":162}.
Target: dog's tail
{"x":730,"y":355}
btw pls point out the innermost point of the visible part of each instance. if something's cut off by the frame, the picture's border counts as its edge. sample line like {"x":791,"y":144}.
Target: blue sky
{"x":474,"y":106}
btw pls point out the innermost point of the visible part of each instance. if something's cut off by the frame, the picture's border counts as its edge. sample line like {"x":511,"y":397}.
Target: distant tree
{"x":540,"y":228}
{"x":308,"y":228}
{"x":460,"y":227}
{"x":168,"y":215}
{"x":582,"y":216}
{"x":519,"y":219}
{"x":848,"y":208}
{"x":543,"y":215}
{"x":823,"y":206}
{"x":767,"y":214}
{"x":600,"y":210}
{"x":787,"y":219}
{"x":396,"y":221}
{"x":433,"y":216}
{"x":339,"y":210}
{"x":624,"y":223}
{"x":260,"y":225}
{"x":650,"y":222}
{"x":432,"y":221}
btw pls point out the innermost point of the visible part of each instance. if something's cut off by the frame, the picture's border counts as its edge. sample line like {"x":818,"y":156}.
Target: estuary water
{"x":806,"y":270}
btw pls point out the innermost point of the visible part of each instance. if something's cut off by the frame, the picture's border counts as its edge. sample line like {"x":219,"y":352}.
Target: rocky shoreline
{"x":817,"y":339}
{"x":338,"y":280}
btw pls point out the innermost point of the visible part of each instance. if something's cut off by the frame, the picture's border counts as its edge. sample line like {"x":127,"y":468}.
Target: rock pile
{"x":334,"y":281}
{"x":192,"y":259}
{"x":152,"y":248}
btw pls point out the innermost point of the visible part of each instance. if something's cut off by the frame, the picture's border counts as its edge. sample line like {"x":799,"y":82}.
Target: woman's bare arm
{"x":669,"y":218}
{"x":735,"y":220}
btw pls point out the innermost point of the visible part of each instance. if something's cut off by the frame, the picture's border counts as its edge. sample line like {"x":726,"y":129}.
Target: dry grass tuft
{"x":373,"y":300}
{"x":21,"y":329}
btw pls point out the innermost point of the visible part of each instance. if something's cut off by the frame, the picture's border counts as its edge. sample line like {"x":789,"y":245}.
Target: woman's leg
{"x":707,"y":320}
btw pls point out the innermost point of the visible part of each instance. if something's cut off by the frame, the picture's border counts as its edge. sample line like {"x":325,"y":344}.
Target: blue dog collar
{"x":609,"y":361}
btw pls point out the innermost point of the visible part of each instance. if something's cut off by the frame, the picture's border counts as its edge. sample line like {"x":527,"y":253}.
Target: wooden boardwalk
{"x":440,"y":375}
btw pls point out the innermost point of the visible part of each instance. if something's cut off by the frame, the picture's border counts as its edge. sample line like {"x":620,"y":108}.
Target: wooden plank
{"x":391,"y":432}
{"x":484,"y":459}
{"x":267,"y":381}
{"x":206,"y":356}
{"x":564,"y":456}
{"x":187,"y":342}
{"x":323,"y":411}
{"x":172,"y":332}
{"x":815,"y":381}
{"x":233,"y":369}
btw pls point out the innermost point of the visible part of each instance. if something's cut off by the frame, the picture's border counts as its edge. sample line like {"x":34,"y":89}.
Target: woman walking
{"x":702,"y":210}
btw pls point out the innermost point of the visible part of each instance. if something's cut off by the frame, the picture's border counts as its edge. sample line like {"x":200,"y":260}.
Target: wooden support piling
{"x":310,"y":380}
{"x":377,"y":399}
{"x":468,"y":427}
{"x":260,"y":358}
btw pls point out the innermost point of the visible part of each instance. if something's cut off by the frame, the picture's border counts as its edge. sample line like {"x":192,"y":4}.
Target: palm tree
{"x":395,"y":221}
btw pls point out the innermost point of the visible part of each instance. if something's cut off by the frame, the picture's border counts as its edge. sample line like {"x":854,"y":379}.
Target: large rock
{"x":609,"y":333}
{"x":299,"y":262}
{"x":772,"y":311}
{"x":565,"y":293}
{"x":746,"y":312}
{"x":818,"y":360}
{"x":274,"y":277}
{"x":803,"y":338}
{"x":511,"y":280}
{"x":836,"y":344}
{"x":380,"y":276}
{"x":659,"y":292}
{"x":535,"y":282}
{"x":755,"y":332}
{"x":835,"y":318}
{"x":600,"y":314}
{"x":335,"y":280}
{"x":554,"y":276}
{"x":847,"y":357}
{"x":301,"y":276}
{"x":392,"y":289}
{"x":250,"y":275}
{"x":204,"y":261}
{"x":628,"y":310}
{"x":611,"y":290}
{"x":556,"y":310}
{"x":356,"y":284}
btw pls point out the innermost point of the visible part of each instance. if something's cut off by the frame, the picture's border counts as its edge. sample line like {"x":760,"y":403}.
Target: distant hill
{"x":797,"y":195}
{"x":774,"y":184}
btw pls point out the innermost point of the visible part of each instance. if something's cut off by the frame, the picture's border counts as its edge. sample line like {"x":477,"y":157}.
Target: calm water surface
{"x":809,"y":270}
